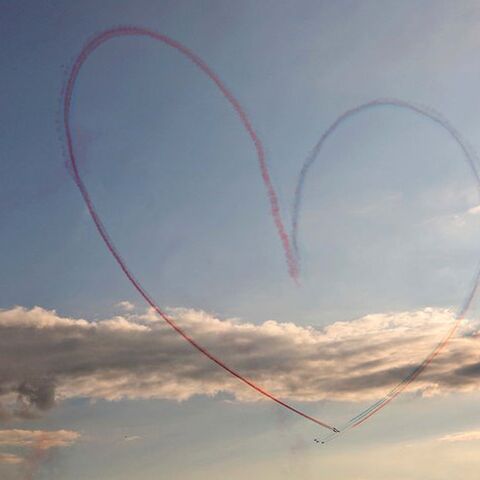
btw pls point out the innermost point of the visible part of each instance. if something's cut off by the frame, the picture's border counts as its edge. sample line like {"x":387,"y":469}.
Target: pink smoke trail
{"x":87,"y":50}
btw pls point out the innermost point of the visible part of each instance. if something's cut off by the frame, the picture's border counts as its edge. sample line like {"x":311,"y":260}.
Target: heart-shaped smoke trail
{"x":290,"y":255}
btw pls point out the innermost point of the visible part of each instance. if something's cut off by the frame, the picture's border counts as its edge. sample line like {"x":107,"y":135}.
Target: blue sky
{"x":388,"y":223}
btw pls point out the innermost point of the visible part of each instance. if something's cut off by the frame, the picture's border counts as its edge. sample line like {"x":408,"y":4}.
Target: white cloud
{"x":474,"y":210}
{"x":468,"y":436}
{"x":464,"y":222}
{"x":126,"y":306}
{"x":47,"y":358}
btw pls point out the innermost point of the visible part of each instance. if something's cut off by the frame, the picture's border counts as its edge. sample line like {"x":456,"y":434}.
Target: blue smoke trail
{"x":471,"y":159}
{"x":426,"y":112}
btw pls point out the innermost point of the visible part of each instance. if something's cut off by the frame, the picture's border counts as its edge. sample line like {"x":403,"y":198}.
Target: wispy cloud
{"x":42,"y":439}
{"x":474,"y":210}
{"x":126,"y":306}
{"x":10,"y":458}
{"x":468,"y":436}
{"x":47,"y":358}
{"x":38,"y":446}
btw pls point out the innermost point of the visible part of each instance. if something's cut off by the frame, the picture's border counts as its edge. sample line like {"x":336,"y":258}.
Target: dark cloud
{"x":472,"y":370}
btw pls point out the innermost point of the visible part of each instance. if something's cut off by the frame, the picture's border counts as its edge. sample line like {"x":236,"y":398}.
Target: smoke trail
{"x":291,"y":256}
{"x":426,"y":112}
{"x":357,"y":421}
{"x":87,"y":50}
{"x":471,"y":159}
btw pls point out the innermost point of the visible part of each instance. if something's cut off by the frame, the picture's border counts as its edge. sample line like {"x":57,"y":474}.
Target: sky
{"x":93,"y":384}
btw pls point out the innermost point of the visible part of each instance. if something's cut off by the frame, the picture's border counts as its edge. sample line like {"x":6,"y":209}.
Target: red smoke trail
{"x":87,"y":50}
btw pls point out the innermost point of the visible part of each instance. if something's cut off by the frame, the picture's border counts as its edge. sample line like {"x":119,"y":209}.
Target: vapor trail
{"x":85,"y":53}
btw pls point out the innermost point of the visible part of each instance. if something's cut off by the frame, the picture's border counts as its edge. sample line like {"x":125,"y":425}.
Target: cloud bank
{"x":46,"y":358}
